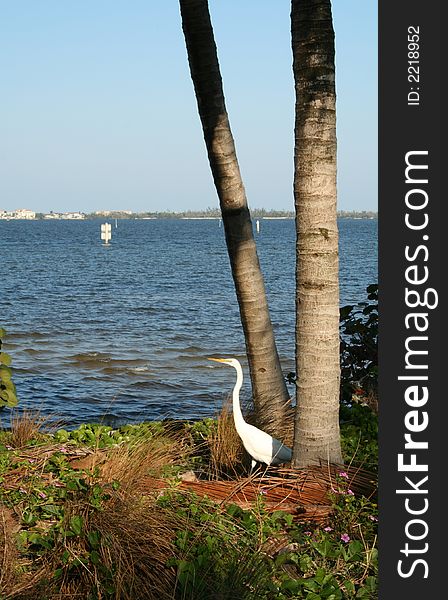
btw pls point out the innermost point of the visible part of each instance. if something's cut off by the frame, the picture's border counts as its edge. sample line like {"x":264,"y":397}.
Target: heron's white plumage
{"x":261,"y":446}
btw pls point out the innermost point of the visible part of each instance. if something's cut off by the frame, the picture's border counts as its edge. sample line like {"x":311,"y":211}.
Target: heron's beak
{"x":220,"y":360}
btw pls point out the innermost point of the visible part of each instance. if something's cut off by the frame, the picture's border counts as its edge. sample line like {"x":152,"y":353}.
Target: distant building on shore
{"x":74,"y":215}
{"x":19,"y":213}
{"x":108,"y":213}
{"x":69,"y":215}
{"x":24,"y":213}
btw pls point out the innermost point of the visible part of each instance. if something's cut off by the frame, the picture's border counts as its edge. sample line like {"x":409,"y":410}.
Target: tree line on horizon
{"x":215,"y":213}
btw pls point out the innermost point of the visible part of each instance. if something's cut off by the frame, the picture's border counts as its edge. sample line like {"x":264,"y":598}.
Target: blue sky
{"x":97,"y":109}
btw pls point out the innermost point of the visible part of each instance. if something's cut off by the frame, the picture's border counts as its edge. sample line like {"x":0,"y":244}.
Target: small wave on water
{"x":102,"y":361}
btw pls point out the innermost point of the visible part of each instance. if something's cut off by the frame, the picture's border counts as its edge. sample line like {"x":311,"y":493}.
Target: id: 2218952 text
{"x":414,"y":65}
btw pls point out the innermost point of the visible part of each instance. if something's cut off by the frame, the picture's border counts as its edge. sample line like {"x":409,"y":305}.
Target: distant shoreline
{"x":210,"y":214}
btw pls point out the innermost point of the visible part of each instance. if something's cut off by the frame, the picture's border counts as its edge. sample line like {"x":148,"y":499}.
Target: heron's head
{"x":232,"y":362}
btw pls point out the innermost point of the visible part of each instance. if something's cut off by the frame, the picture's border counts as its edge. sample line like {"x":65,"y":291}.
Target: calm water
{"x":121,"y":333}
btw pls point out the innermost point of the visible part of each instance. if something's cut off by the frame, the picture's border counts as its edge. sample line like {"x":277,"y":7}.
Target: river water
{"x":120,"y":333}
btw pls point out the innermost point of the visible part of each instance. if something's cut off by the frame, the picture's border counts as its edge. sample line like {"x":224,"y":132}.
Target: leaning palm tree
{"x":316,"y":430}
{"x":268,"y":385}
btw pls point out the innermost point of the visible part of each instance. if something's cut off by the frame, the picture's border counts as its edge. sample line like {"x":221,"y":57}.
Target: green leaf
{"x":8,"y":398}
{"x":94,"y":538}
{"x":292,"y":585}
{"x":311,"y":584}
{"x":350,"y":587}
{"x":5,"y":372}
{"x":355,"y":548}
{"x":95,"y":557}
{"x":345,"y":311}
{"x":371,"y":583}
{"x":5,"y":359}
{"x":320,"y":575}
{"x":9,"y":385}
{"x":61,"y":435}
{"x":306,"y":563}
{"x":324,"y":548}
{"x":52,"y":509}
{"x":76,"y":524}
{"x":28,"y":517}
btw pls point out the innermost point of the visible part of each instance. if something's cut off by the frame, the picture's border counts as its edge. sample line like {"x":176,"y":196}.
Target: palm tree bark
{"x":316,"y":428}
{"x":268,"y":385}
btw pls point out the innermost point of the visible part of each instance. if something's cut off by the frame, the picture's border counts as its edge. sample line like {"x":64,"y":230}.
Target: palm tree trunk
{"x":316,"y":432}
{"x":268,"y":385}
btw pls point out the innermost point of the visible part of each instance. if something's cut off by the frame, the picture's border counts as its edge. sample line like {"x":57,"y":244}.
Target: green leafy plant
{"x":359,"y":436}
{"x":7,"y":388}
{"x":359,"y":347}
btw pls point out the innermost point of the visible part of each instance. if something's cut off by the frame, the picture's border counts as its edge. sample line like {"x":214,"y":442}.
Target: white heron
{"x":261,"y":446}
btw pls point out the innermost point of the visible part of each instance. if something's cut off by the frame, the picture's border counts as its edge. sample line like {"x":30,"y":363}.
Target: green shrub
{"x":7,"y":388}
{"x":359,"y":346}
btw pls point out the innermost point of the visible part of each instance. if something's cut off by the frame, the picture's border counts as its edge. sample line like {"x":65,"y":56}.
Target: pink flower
{"x":263,"y":492}
{"x":42,"y":494}
{"x":345,"y":538}
{"x":372,"y":518}
{"x":350,"y":493}
{"x":307,"y":533}
{"x":343,"y":474}
{"x":328,"y":529}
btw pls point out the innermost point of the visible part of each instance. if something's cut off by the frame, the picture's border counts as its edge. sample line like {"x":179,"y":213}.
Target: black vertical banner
{"x":413,"y":252}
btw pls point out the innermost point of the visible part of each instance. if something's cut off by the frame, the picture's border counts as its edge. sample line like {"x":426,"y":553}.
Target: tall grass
{"x":225,"y":446}
{"x":27,"y":426}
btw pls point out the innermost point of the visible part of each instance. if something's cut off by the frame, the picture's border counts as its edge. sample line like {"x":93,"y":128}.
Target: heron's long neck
{"x":237,"y":414}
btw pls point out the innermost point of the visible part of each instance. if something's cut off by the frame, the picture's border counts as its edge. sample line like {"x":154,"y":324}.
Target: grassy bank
{"x":165,"y":510}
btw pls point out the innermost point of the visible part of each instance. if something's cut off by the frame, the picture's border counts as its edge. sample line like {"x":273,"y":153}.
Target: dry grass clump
{"x":122,"y":548}
{"x":26,"y":426}
{"x":225,"y":446}
{"x":128,"y":463}
{"x":8,"y":550}
{"x":120,"y":552}
{"x":137,"y":543}
{"x":372,"y":400}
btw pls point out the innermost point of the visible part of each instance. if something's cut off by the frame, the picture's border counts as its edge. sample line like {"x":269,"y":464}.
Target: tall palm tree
{"x":316,"y":430}
{"x":268,"y":385}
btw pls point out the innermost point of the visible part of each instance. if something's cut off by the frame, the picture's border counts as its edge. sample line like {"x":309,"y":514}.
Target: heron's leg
{"x":254,"y":462}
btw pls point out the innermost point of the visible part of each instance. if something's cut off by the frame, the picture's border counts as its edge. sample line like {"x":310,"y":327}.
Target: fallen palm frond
{"x":304,"y":493}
